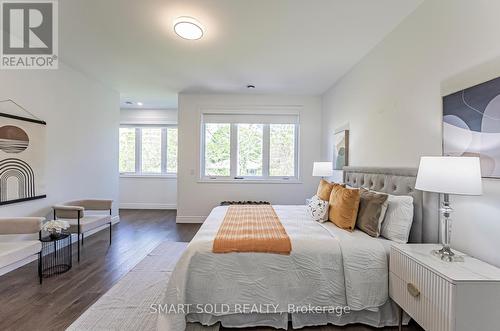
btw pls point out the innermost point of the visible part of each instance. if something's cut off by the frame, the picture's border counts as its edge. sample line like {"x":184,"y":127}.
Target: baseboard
{"x":140,"y":205}
{"x":74,"y":238}
{"x":190,"y":219}
{"x":18,"y":264}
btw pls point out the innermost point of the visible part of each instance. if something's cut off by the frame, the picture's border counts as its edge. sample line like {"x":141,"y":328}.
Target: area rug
{"x":126,"y":306}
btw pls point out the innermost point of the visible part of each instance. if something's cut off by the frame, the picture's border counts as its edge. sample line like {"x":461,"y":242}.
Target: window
{"x":282,"y":150}
{"x":217,"y":149}
{"x":250,"y":153}
{"x":151,"y":147}
{"x":148,"y":150}
{"x":172,"y":150}
{"x":127,"y":150}
{"x":249,"y":147}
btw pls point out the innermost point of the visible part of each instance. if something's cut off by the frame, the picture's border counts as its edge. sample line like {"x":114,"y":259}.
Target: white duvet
{"x":328,"y":267}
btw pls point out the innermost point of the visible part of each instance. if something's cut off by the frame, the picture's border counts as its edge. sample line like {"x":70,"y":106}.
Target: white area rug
{"x":126,"y":306}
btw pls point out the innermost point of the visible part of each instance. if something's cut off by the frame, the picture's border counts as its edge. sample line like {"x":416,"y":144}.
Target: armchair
{"x":12,"y":252}
{"x":74,"y":212}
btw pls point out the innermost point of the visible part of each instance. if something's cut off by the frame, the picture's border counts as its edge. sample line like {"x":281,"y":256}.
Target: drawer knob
{"x":414,"y":292}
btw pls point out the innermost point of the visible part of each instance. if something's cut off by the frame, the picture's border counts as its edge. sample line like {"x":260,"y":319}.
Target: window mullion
{"x":296,"y":152}
{"x":266,"y":148}
{"x":202,"y":150}
{"x":138,"y":150}
{"x":233,"y":150}
{"x":163,"y":150}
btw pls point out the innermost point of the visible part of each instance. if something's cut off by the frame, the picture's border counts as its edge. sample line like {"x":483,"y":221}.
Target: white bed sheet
{"x":328,"y":267}
{"x":387,"y":315}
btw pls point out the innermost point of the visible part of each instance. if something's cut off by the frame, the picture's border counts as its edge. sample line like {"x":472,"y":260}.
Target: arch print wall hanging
{"x":22,"y":154}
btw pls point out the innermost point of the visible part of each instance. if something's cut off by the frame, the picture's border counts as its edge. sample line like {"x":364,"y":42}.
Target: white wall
{"x":148,"y":116}
{"x":82,"y":119}
{"x":196,"y":200}
{"x":392,"y":102}
{"x":155,"y":192}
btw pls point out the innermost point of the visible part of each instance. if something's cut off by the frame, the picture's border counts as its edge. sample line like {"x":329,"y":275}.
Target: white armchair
{"x":74,"y":212}
{"x":14,"y":251}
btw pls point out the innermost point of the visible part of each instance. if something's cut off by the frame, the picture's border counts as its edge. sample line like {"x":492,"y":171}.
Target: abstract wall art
{"x":340,"y":150}
{"x":471,"y":125}
{"x":22,"y":155}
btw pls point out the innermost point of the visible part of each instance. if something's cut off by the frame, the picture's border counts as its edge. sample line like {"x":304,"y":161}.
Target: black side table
{"x":56,"y":255}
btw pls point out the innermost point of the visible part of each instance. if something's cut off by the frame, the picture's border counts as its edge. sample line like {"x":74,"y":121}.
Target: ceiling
{"x":280,"y":46}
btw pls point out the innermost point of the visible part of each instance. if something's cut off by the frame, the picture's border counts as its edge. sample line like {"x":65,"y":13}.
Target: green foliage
{"x":282,"y":150}
{"x":218,"y":149}
{"x":151,"y":150}
{"x":127,"y":150}
{"x":250,"y":149}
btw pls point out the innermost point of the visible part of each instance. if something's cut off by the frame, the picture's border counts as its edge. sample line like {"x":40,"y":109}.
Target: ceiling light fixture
{"x":250,"y":86}
{"x":139,"y":103}
{"x":188,"y":28}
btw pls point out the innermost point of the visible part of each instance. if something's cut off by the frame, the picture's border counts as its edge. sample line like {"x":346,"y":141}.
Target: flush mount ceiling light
{"x":139,"y":103}
{"x":188,"y":28}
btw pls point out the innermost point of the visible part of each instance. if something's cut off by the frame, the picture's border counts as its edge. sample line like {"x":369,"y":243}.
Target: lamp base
{"x":447,"y":255}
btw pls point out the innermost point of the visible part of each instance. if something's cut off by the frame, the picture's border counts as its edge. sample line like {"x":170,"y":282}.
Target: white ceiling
{"x":281,"y":46}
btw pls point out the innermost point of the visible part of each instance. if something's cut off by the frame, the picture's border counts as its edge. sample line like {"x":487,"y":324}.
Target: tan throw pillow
{"x":324,"y":190}
{"x":344,"y":205}
{"x":371,"y":207}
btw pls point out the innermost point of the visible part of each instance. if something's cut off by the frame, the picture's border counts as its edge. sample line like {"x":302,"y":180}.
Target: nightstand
{"x":444,"y":296}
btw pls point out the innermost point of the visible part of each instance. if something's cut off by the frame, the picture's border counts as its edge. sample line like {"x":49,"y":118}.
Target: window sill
{"x":249,"y":181}
{"x":148,"y":176}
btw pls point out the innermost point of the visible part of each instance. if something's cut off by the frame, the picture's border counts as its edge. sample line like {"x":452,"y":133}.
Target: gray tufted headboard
{"x":400,"y":181}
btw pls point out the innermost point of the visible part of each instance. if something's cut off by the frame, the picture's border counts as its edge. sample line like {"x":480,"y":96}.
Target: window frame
{"x":266,"y":139}
{"x":138,"y":150}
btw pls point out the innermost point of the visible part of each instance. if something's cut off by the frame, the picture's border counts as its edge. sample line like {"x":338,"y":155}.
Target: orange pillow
{"x":324,"y":190}
{"x":344,"y":205}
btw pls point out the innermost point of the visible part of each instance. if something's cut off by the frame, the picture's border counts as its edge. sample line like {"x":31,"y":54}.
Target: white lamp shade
{"x":322,"y":169}
{"x":449,"y":174}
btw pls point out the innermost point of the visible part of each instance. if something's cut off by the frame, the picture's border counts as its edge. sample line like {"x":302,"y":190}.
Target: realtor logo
{"x":29,"y":34}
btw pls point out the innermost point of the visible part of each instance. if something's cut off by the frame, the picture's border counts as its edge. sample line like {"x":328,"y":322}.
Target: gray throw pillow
{"x":372,"y":208}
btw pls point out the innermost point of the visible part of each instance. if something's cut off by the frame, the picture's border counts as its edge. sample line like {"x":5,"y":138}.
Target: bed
{"x":331,"y":276}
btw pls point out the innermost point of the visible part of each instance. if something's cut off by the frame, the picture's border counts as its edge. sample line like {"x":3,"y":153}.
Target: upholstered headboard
{"x":401,"y":181}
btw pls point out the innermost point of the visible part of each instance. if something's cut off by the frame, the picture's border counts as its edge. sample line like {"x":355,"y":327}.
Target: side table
{"x":56,"y":255}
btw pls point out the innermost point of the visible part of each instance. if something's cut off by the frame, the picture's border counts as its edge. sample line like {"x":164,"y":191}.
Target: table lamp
{"x":322,"y":169}
{"x":449,"y":175}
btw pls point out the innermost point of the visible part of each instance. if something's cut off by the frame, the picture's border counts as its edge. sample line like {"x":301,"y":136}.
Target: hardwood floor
{"x":54,"y":305}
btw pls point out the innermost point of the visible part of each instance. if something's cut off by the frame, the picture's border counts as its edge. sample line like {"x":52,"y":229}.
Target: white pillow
{"x":398,"y":218}
{"x":318,"y":209}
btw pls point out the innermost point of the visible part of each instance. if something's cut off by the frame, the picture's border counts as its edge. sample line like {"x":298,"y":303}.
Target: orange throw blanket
{"x":252,"y":228}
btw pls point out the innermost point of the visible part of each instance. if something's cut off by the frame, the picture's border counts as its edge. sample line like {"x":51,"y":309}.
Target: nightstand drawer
{"x":427,"y":303}
{"x":404,"y":267}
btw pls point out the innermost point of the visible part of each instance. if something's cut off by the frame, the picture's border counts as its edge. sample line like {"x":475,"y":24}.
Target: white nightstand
{"x":444,"y":296}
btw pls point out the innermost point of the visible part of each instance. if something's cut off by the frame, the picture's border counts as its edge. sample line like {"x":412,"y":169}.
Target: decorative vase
{"x":55,"y":235}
